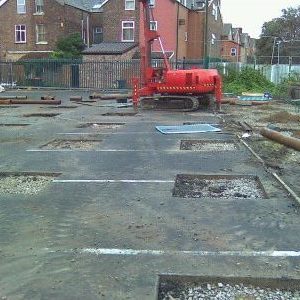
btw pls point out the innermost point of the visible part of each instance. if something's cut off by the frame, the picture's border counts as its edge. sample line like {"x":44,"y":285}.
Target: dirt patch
{"x":218,"y":186}
{"x":282,"y":117}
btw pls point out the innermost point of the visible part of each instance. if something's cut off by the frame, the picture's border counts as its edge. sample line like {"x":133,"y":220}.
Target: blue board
{"x":193,"y":128}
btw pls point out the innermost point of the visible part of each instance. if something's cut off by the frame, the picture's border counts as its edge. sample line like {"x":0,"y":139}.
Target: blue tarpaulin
{"x":193,"y":128}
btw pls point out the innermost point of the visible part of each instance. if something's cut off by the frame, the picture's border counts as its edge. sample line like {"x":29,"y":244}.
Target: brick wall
{"x":59,"y":20}
{"x":113,"y":14}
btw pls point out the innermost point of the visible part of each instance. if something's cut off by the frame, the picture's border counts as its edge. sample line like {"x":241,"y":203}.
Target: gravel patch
{"x":211,"y":146}
{"x":71,"y":144}
{"x":222,"y":188}
{"x":23,"y":185}
{"x":222,"y":291}
{"x":100,"y":126}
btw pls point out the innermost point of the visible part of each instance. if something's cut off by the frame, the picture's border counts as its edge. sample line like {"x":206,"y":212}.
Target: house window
{"x":151,"y":3}
{"x":39,"y":6}
{"x":97,"y":35}
{"x":233,"y":51}
{"x":40,"y":33}
{"x":20,"y":33}
{"x":186,"y":36}
{"x":128,"y":31}
{"x":153,"y":25}
{"x":21,"y":6}
{"x":213,"y":38}
{"x":129,"y":4}
{"x":215,"y":11}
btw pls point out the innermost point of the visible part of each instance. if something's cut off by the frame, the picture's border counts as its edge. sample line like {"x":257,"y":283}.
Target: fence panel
{"x":117,"y":74}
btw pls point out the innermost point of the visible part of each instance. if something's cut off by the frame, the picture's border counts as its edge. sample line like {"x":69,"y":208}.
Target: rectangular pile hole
{"x":68,"y":144}
{"x":13,"y":125}
{"x":235,"y":288}
{"x":43,"y":115}
{"x":121,"y":114}
{"x":211,"y":146}
{"x":59,"y":106}
{"x":25,"y":183}
{"x":8,"y":106}
{"x":96,"y":125}
{"x":218,"y":186}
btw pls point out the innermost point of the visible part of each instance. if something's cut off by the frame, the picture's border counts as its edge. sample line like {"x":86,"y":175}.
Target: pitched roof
{"x":110,"y":48}
{"x":86,"y":5}
{"x":2,"y":2}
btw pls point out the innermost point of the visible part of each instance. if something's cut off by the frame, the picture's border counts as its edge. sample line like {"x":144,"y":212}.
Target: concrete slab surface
{"x":108,"y":225}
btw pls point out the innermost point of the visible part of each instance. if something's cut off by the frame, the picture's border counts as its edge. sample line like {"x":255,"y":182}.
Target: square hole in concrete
{"x":100,"y":126}
{"x":235,"y":288}
{"x":218,"y":186}
{"x":121,"y":114}
{"x":42,"y":115}
{"x":81,"y":144}
{"x":211,"y":146}
{"x":25,"y":183}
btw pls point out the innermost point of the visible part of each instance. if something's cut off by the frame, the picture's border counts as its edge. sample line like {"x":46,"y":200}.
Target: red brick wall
{"x":59,"y":21}
{"x":112,"y":16}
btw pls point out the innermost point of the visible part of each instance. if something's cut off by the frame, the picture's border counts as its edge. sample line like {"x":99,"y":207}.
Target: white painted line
{"x":132,"y":252}
{"x":61,"y":150}
{"x":95,"y":132}
{"x":110,"y":181}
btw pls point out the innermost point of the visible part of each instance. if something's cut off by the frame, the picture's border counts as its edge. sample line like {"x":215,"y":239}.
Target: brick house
{"x":32,"y":27}
{"x":182,"y":32}
{"x":236,"y":45}
{"x":196,"y":29}
{"x":231,"y":44}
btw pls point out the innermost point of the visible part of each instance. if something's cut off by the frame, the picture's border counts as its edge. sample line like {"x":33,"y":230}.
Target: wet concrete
{"x":43,"y":236}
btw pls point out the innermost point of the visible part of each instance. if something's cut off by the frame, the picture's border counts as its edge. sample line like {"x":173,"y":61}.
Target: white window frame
{"x":18,"y":28}
{"x":39,"y":6}
{"x":186,"y":36}
{"x":128,"y":28}
{"x":215,"y":11}
{"x":129,"y":4}
{"x":153,"y":25}
{"x":233,"y":52}
{"x":151,"y":3}
{"x":38,"y":34}
{"x":21,"y":6}
{"x":213,"y":38}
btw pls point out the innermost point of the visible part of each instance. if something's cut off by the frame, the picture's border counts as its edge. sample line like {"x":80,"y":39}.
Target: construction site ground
{"x":87,"y":208}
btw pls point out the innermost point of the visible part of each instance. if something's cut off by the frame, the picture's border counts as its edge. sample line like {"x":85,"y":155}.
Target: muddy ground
{"x":277,"y":115}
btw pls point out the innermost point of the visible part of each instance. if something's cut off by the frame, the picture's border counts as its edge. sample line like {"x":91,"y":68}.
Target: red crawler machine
{"x":165,"y":88}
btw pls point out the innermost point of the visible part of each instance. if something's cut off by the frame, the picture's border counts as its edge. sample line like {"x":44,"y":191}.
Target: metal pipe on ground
{"x":288,"y":141}
{"x":76,"y":98}
{"x":12,"y":97}
{"x":20,"y":101}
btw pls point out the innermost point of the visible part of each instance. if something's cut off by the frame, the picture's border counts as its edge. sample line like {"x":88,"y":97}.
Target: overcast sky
{"x":251,"y":14}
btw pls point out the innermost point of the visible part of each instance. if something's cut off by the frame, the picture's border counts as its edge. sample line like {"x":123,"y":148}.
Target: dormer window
{"x":21,"y":7}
